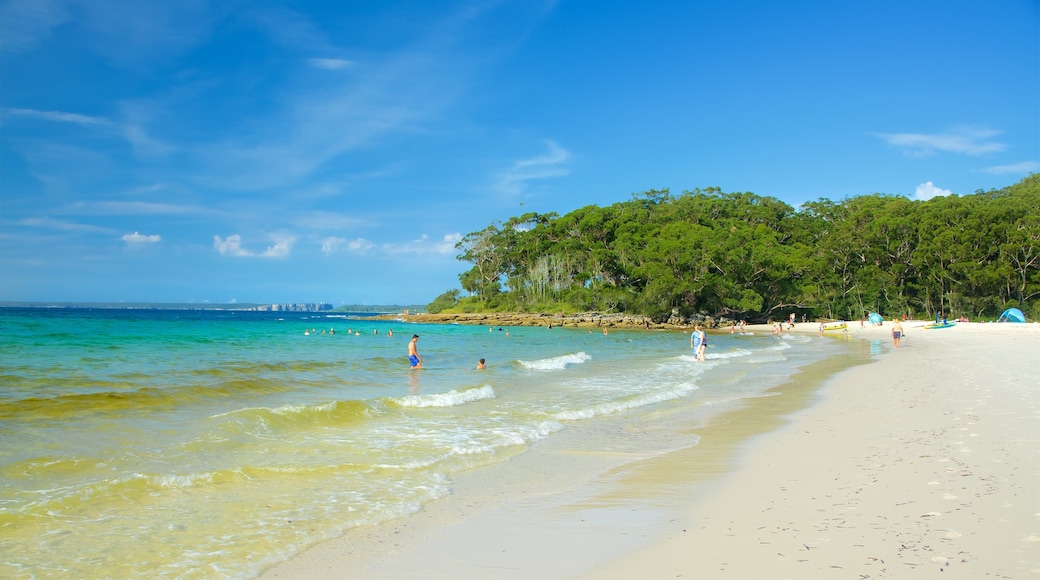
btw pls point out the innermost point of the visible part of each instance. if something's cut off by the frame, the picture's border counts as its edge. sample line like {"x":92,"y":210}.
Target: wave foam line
{"x":450,"y":399}
{"x":613,"y":407}
{"x":555,"y":363}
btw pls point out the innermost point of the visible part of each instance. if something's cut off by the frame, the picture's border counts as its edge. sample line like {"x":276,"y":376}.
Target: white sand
{"x":925,"y":463}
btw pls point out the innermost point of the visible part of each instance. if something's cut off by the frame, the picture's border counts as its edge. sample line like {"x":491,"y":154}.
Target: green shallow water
{"x":213,"y":444}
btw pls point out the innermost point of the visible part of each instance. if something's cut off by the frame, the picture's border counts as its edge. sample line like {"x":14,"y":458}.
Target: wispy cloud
{"x":962,"y":140}
{"x":329,"y":63}
{"x":928,"y":190}
{"x":328,"y":221}
{"x":131,"y":128}
{"x":26,"y":23}
{"x":232,"y":246}
{"x":60,"y":117}
{"x":135,"y":208}
{"x":1014,"y":168}
{"x":61,"y":225}
{"x":553,"y":163}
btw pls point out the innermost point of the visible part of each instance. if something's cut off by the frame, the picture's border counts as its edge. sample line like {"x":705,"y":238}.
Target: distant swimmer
{"x":390,"y":332}
{"x":413,"y":353}
{"x":480,"y":364}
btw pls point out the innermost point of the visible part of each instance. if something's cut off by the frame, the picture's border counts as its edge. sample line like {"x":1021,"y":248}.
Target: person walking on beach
{"x":897,"y":332}
{"x":413,"y":353}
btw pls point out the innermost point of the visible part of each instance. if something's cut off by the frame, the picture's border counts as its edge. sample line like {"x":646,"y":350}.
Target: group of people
{"x":350,"y":331}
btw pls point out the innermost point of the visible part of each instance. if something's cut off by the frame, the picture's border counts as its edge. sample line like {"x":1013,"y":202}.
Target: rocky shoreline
{"x":582,"y":320}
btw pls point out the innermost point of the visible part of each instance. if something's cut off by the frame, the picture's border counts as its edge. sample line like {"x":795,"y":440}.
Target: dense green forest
{"x":741,"y":255}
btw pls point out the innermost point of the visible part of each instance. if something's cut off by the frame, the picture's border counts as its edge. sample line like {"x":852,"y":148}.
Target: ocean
{"x":214,"y":443}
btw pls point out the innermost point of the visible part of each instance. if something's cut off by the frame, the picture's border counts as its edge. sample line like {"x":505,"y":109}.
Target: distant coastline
{"x":581,"y":320}
{"x":242,"y":307}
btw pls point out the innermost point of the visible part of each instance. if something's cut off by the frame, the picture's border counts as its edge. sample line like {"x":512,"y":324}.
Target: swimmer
{"x":480,"y":364}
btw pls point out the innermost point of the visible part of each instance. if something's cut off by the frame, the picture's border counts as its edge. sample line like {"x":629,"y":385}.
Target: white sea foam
{"x":611,"y":407}
{"x":289,"y":410}
{"x":740,"y":352}
{"x":555,"y":363}
{"x":449,"y":399}
{"x":176,"y":481}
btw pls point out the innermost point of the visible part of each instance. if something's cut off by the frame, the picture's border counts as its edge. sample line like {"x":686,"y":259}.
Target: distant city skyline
{"x":336,"y":152}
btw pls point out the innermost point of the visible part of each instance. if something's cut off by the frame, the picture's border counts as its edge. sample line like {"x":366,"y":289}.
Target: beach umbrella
{"x":1012,"y":315}
{"x":875,"y":318}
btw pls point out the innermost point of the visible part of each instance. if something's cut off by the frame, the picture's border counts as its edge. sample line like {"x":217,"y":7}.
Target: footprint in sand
{"x":953,"y":534}
{"x":949,"y":496}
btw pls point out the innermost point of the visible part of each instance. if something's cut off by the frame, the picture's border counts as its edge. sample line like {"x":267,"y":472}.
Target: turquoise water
{"x":201,"y":444}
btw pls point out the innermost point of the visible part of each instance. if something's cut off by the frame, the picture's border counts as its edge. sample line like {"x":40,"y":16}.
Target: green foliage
{"x":744,"y":255}
{"x":443,"y":302}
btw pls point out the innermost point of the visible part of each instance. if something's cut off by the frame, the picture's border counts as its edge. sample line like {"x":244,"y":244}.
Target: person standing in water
{"x":698,"y":341}
{"x":413,"y":353}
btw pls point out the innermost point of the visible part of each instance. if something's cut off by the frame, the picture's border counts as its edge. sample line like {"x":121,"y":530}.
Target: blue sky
{"x":235,"y":151}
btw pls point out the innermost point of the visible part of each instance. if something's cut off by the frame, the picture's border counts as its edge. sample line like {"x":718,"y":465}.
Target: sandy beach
{"x":923,"y":463}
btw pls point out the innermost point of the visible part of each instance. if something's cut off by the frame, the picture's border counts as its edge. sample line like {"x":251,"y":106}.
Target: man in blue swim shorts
{"x":413,"y":353}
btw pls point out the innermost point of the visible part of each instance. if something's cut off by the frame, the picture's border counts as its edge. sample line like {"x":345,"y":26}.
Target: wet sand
{"x":923,"y":463}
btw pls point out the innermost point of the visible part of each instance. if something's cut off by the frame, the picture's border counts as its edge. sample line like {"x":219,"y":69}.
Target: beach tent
{"x":875,"y":318}
{"x":1012,"y":315}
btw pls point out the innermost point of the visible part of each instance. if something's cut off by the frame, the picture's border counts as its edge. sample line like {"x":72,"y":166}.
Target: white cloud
{"x":282,"y":246}
{"x":329,"y":63}
{"x":552,"y":164}
{"x":333,"y":245}
{"x":928,"y":190}
{"x":423,"y":245}
{"x":136,"y":238}
{"x":963,"y":140}
{"x":232,"y":246}
{"x":360,"y":245}
{"x":1013,"y":168}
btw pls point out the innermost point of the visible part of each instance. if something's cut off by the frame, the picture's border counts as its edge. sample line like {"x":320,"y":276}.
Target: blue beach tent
{"x":875,"y":318}
{"x":1012,"y":315}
